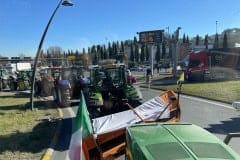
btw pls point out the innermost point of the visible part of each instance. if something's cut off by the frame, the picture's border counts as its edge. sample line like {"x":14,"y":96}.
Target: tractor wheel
{"x":12,"y":85}
{"x":1,"y":86}
{"x":21,"y":85}
{"x":55,"y":95}
{"x":64,"y":97}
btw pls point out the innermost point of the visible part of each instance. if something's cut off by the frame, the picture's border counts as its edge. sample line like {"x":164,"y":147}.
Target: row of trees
{"x":209,"y":40}
{"x":137,"y":53}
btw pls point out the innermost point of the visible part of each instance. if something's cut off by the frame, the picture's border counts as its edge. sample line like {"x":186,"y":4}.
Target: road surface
{"x":218,"y":118}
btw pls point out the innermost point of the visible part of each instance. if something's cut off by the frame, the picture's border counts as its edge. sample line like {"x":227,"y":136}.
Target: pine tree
{"x":225,"y":41}
{"x":105,"y":56}
{"x":131,"y":53}
{"x":122,"y":47}
{"x":158,"y":54}
{"x":136,"y":53}
{"x":101,"y":53}
{"x":147,"y":54}
{"x":206,"y":41}
{"x":187,"y":40}
{"x":110,"y":51}
{"x":135,"y":40}
{"x":163,"y":50}
{"x":184,"y":39}
{"x":142,"y":56}
{"x":197,"y":40}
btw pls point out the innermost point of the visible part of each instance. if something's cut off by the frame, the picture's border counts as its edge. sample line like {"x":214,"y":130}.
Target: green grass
{"x":227,"y":91}
{"x":24,"y":134}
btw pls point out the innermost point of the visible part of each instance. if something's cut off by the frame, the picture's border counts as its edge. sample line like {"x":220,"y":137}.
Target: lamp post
{"x":175,"y":51}
{"x":61,"y":2}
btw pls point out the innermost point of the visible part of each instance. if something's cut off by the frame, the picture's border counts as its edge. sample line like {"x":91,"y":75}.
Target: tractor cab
{"x":109,"y":90}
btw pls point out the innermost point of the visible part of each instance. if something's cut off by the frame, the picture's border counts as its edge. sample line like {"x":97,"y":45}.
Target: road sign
{"x":151,"y":36}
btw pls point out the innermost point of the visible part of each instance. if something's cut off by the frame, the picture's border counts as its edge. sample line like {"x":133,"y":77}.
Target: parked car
{"x":138,"y":69}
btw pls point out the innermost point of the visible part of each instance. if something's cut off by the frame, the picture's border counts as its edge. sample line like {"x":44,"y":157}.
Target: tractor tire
{"x":55,"y":95}
{"x":21,"y":85}
{"x":64,"y":97}
{"x":1,"y":85}
{"x":11,"y":86}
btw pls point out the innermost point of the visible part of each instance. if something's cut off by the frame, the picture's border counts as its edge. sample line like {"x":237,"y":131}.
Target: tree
{"x":122,"y":47}
{"x":83,"y":51}
{"x":136,"y":53}
{"x":225,"y":41}
{"x":184,"y":38}
{"x":76,"y":53}
{"x":215,"y":46}
{"x":110,"y":51}
{"x":94,"y":54}
{"x":187,"y":40}
{"x":131,"y":53}
{"x":55,"y":53}
{"x":142,"y":56}
{"x":206,"y":41}
{"x":147,"y":53}
{"x":163,"y":49}
{"x":114,"y":50}
{"x":197,"y":40}
{"x":105,"y":56}
{"x":158,"y":54}
{"x":135,"y":40}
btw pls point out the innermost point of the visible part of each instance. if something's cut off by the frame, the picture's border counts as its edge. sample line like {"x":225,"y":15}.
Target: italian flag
{"x":81,"y":129}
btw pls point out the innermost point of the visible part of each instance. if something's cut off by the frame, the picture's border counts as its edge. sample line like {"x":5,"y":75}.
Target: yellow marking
{"x":47,"y":156}
{"x":60,"y":112}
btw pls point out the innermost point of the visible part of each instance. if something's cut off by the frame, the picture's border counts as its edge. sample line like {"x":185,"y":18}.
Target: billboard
{"x":155,"y":36}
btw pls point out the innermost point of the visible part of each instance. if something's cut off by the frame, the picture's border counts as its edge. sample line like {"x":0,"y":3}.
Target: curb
{"x":48,"y":154}
{"x":221,"y":101}
{"x":236,"y":104}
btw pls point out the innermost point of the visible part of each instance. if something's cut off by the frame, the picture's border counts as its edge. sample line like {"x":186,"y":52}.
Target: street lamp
{"x":61,"y":2}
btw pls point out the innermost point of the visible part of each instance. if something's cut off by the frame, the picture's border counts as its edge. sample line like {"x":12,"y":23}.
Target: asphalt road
{"x":218,"y":118}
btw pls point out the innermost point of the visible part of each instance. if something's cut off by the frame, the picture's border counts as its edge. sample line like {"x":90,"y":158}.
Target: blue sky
{"x":91,"y":22}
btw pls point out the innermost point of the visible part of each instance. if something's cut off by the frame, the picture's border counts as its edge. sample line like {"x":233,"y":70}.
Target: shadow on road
{"x":35,"y":141}
{"x":225,"y":127}
{"x":64,"y":136}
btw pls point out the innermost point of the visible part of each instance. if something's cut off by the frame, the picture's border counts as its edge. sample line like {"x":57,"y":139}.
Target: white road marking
{"x":208,"y":101}
{"x":202,"y":100}
{"x":71,"y":112}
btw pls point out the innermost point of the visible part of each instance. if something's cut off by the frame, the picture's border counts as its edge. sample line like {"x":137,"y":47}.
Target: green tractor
{"x":171,"y":141}
{"x":8,"y":80}
{"x":109,"y":90}
{"x":24,"y":80}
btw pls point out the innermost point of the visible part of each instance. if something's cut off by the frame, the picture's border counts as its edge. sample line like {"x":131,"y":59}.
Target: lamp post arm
{"x":38,"y":53}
